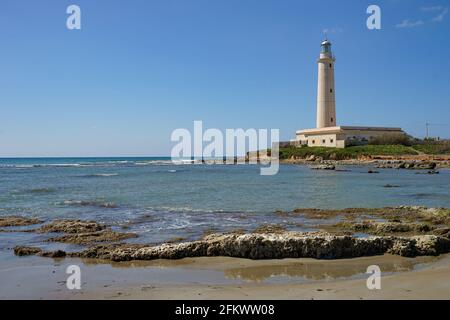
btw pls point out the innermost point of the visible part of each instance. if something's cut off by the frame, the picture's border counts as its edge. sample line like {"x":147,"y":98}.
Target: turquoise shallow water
{"x":160,"y":200}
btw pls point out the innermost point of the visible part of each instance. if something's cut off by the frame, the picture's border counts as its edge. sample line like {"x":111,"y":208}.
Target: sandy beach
{"x":228,"y":278}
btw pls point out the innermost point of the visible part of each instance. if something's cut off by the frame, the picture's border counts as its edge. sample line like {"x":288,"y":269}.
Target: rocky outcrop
{"x":324,"y":167}
{"x":75,"y":231}
{"x":270,"y":228}
{"x":412,"y":165}
{"x":428,"y":172}
{"x":17,"y":221}
{"x":408,"y":214}
{"x":26,"y":251}
{"x":274,"y":246}
{"x":93,"y":237}
{"x":71,"y":226}
{"x":384,"y":228}
{"x":30,"y":251}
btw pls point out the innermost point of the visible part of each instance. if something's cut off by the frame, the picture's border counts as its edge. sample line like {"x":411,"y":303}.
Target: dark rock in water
{"x":93,"y":237}
{"x":270,"y":228}
{"x":425,"y":166}
{"x":26,"y":251}
{"x":384,"y":228}
{"x":71,"y":226}
{"x":429,"y":172}
{"x":80,"y":232}
{"x":89,"y":203}
{"x":53,"y":254}
{"x":391,"y":186}
{"x":412,"y":165}
{"x":402,"y":213}
{"x":372,"y":171}
{"x":324,"y":167}
{"x":17,"y":221}
{"x":175,"y":240}
{"x":30,"y":251}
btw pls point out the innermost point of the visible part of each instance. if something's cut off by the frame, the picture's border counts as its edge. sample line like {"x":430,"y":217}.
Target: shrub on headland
{"x":392,"y":139}
{"x":345,"y":153}
{"x":433,"y":147}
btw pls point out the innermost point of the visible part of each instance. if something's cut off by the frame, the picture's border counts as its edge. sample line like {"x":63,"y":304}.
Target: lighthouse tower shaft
{"x":326,"y":104}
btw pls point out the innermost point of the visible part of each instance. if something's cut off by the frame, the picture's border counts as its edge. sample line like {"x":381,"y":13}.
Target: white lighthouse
{"x":326,"y":103}
{"x":327,"y":133}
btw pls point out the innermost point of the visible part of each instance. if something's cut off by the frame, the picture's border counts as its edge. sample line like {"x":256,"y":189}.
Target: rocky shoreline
{"x":420,"y":162}
{"x":262,"y":246}
{"x":405,"y":231}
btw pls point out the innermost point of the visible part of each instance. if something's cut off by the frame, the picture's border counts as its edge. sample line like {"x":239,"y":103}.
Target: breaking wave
{"x":96,"y":175}
{"x":88,"y":203}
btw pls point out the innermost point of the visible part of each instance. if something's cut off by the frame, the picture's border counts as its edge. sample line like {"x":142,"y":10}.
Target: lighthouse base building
{"x":328,"y":133}
{"x":342,"y":136}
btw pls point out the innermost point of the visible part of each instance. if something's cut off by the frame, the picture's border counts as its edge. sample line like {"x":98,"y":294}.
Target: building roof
{"x":342,"y":129}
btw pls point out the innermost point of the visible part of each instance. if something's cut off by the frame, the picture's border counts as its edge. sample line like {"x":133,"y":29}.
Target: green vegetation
{"x":393,"y":139}
{"x":346,"y":153}
{"x":434,"y":147}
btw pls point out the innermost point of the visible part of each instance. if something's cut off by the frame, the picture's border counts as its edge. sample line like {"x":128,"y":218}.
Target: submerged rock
{"x":26,"y":251}
{"x":324,"y":167}
{"x":17,"y":221}
{"x":29,"y":251}
{"x":71,"y":226}
{"x":93,"y":237}
{"x":270,"y":228}
{"x":410,"y":214}
{"x":429,"y":172}
{"x":53,"y":254}
{"x":384,"y":228}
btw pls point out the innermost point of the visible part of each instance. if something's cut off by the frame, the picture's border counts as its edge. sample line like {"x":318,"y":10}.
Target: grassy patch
{"x":434,"y":147}
{"x":346,"y":153}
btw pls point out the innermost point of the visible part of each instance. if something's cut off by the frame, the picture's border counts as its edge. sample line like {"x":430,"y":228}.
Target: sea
{"x":160,"y":200}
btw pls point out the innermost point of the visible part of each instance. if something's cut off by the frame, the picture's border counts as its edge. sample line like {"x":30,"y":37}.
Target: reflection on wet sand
{"x":322,"y":271}
{"x":267,"y":270}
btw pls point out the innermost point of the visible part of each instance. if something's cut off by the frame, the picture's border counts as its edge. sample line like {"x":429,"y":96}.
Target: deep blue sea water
{"x":160,"y":200}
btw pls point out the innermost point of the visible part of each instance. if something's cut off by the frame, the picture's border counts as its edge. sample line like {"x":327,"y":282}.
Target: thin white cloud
{"x":433,"y":8}
{"x":440,"y":17}
{"x":409,"y":24}
{"x":332,"y":30}
{"x":442,"y":12}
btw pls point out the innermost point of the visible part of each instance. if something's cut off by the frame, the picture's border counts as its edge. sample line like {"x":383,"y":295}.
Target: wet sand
{"x":227,"y":278}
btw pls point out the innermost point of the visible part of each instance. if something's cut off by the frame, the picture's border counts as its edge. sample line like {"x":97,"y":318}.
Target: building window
{"x":331,"y":65}
{"x":331,"y":140}
{"x":323,"y":141}
{"x":331,"y":90}
{"x":314,"y":141}
{"x":332,"y":120}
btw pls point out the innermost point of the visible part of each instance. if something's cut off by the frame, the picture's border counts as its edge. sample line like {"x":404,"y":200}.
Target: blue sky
{"x":139,"y":69}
